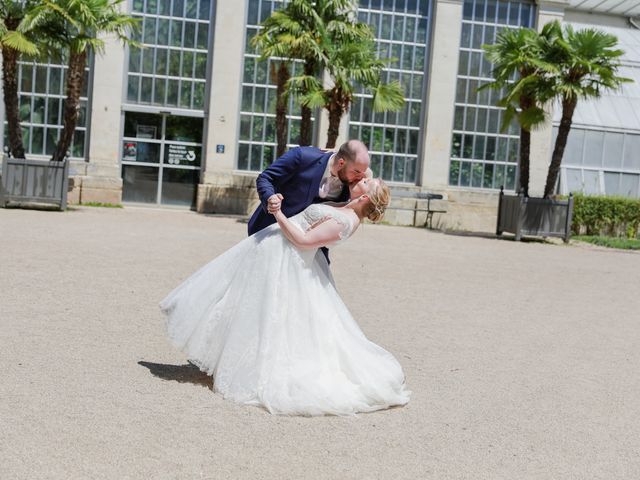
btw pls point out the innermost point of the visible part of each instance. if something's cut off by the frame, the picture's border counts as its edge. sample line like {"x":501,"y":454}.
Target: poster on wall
{"x":130,"y":151}
{"x":180,"y":154}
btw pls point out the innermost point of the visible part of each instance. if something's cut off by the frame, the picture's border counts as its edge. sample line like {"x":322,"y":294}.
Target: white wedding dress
{"x":265,"y":319}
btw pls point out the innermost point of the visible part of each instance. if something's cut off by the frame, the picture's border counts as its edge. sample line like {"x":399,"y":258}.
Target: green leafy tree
{"x":15,"y":40}
{"x":588,"y":63}
{"x":77,"y":28}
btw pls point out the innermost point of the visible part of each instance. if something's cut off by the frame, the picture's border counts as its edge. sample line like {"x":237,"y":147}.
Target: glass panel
{"x":146,"y":84}
{"x":613,"y":144}
{"x":37,"y":140}
{"x":179,"y":186}
{"x":454,"y":172}
{"x":591,"y":182}
{"x":41,"y":80}
{"x":136,"y":151}
{"x":629,"y":185}
{"x":243,"y":157}
{"x":593,"y":145}
{"x":139,"y":184}
{"x":476,"y":175}
{"x":465,"y":174}
{"x":632,"y":152}
{"x":142,"y":125}
{"x":574,"y":180}
{"x":574,"y":148}
{"x":53,"y":109}
{"x":184,"y":129}
{"x":611,"y":183}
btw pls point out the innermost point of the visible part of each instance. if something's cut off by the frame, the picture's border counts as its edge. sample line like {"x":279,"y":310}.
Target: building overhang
{"x":626,"y":8}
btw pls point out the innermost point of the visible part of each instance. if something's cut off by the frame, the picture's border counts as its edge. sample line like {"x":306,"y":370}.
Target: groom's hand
{"x":274,"y":203}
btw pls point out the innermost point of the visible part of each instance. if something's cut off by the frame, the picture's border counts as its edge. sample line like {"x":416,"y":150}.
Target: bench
{"x":418,"y":205}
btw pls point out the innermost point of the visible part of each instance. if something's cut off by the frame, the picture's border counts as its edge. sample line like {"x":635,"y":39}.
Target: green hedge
{"x":612,"y":216}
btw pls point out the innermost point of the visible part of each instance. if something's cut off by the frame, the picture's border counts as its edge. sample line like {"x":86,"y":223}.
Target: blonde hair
{"x":379,"y":198}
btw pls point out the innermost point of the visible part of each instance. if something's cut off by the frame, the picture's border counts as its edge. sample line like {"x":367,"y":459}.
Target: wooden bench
{"x":418,"y":205}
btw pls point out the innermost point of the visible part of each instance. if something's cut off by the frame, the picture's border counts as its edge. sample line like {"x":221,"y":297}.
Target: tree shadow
{"x":492,"y":236}
{"x":188,"y":373}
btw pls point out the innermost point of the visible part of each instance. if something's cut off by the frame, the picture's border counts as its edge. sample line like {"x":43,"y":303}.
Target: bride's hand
{"x":274,"y":203}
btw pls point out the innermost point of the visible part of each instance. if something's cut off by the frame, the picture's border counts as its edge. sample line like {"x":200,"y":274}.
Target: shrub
{"x":611,"y":216}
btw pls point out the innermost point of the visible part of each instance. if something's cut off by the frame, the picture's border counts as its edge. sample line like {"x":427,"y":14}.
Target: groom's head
{"x":353,"y":161}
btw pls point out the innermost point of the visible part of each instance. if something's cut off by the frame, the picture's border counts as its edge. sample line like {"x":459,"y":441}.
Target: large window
{"x":482,"y":156}
{"x":42,"y":93}
{"x":171,"y":69}
{"x":402,"y":34}
{"x":257,"y":113}
{"x":601,"y":163}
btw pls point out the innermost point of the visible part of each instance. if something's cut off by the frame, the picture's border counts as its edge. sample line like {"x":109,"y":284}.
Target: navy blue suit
{"x":296,"y":175}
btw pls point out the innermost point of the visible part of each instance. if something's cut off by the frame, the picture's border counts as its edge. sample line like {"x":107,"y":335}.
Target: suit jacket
{"x":296,"y":175}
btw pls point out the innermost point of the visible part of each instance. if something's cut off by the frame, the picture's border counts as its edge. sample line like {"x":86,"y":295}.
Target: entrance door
{"x":161,"y":158}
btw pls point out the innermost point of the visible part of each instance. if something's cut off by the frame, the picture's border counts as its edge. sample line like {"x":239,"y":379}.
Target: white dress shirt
{"x":330,"y":185}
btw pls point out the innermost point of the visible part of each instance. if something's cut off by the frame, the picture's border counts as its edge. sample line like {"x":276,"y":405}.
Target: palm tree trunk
{"x":568,"y":107}
{"x":335,"y":115}
{"x":11,"y":99}
{"x":75,"y":80}
{"x":336,"y":109}
{"x":305,"y":124}
{"x":282,"y":102}
{"x":525,"y":149}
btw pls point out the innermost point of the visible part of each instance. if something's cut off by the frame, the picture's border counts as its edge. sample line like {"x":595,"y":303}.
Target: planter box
{"x":541,"y":217}
{"x":29,"y":182}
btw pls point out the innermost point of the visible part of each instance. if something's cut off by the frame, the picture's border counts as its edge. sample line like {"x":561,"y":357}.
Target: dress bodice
{"x":318,"y":212}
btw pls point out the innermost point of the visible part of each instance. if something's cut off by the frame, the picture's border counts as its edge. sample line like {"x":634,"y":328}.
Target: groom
{"x":306,"y":175}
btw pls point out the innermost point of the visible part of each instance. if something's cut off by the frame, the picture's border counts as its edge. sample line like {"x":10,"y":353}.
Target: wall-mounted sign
{"x":219,"y":148}
{"x":178,"y":154}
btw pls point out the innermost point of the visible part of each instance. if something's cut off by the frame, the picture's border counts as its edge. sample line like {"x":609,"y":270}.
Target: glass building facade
{"x":171,"y":68}
{"x":599,"y":162}
{"x":402,"y":31}
{"x":167,"y":130}
{"x":482,"y":154}
{"x":162,"y":145}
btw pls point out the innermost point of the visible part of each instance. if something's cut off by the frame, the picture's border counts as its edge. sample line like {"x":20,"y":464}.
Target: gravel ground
{"x":523,"y":358}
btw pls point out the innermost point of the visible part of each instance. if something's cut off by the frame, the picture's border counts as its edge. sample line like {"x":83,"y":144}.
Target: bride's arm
{"x":320,"y":235}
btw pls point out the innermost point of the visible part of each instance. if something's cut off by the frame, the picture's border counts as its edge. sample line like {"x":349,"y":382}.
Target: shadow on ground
{"x":493,"y":236}
{"x":188,"y":373}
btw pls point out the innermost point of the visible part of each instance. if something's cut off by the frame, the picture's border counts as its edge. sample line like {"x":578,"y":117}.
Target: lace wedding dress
{"x":266,"y":321}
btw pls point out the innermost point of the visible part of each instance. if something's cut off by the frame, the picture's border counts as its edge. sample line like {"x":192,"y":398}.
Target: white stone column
{"x":223,"y":189}
{"x":226,"y":88}
{"x":103,"y":182}
{"x":441,"y":92}
{"x":541,"y":138}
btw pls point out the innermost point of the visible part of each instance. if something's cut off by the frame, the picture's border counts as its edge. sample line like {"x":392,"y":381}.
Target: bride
{"x":265,"y":319}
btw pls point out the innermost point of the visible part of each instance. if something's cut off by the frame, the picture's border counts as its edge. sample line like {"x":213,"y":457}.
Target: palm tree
{"x":74,"y":27}
{"x":301,"y":31}
{"x":519,"y":69}
{"x":349,"y":63}
{"x":588,"y":62}
{"x":14,"y":42}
